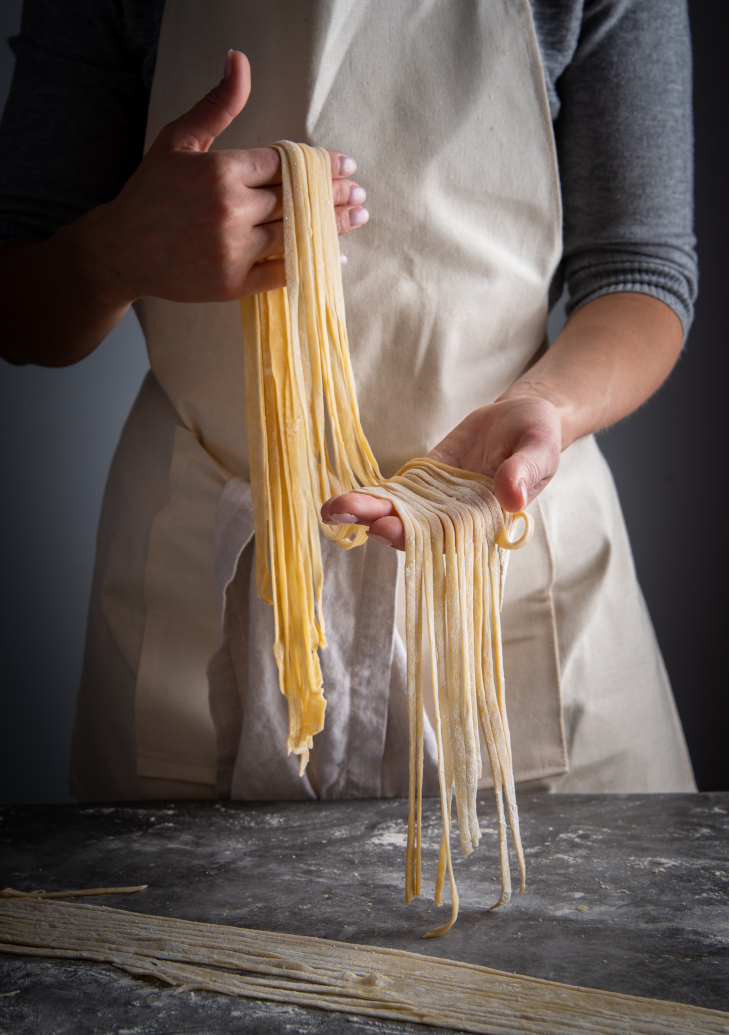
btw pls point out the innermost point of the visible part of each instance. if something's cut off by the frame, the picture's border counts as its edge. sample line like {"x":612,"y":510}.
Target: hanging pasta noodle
{"x":306,"y":445}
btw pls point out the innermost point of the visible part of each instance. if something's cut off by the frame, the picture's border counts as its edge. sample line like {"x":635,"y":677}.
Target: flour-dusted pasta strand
{"x":330,"y":975}
{"x":306,"y":445}
{"x":297,"y":361}
{"x":445,"y":515}
{"x":82,"y":893}
{"x":434,"y":592}
{"x":496,"y":703}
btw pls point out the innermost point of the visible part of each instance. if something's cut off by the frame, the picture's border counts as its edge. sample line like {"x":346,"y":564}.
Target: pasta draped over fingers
{"x":306,"y":444}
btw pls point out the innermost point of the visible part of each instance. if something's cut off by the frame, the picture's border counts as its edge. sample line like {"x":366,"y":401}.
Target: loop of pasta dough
{"x":502,"y":539}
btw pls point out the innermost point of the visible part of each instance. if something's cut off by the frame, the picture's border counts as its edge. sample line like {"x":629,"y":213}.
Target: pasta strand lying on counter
{"x":306,"y":444}
{"x":330,"y":975}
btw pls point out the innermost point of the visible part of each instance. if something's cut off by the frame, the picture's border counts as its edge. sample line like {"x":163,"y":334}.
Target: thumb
{"x":198,"y":127}
{"x":526,"y":472}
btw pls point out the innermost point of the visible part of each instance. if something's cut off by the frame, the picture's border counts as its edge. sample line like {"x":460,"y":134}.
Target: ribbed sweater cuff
{"x":644,"y":277}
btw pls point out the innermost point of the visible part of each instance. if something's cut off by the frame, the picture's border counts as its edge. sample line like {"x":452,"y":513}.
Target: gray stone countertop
{"x":624,"y":892}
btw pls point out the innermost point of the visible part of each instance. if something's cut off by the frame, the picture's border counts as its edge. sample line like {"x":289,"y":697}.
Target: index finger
{"x":263,"y":166}
{"x":355,"y":508}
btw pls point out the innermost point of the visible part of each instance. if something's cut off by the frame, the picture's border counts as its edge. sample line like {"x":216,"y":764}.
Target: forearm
{"x":611,"y":356}
{"x":55,"y":309}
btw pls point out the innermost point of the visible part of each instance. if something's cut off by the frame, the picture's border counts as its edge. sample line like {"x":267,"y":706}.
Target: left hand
{"x":612,"y":355}
{"x":516,"y":441}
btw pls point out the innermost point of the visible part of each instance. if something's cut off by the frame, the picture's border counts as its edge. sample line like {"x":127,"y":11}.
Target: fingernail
{"x":358,"y":216}
{"x":342,"y":519}
{"x":379,"y":539}
{"x":347,"y":165}
{"x":228,"y":64}
{"x":342,"y":259}
{"x":524,"y":493}
{"x":357,"y":195}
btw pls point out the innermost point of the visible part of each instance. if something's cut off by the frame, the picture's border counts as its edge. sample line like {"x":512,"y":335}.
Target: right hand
{"x":192,"y":225}
{"x":516,"y":440}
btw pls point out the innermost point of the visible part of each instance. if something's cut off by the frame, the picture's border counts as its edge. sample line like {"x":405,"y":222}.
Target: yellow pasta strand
{"x":306,"y":444}
{"x":362,"y":980}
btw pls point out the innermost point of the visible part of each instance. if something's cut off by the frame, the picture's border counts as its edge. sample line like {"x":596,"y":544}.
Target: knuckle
{"x":215,"y":99}
{"x":340,"y":191}
{"x":225,"y":258}
{"x":229,"y":280}
{"x":261,"y":162}
{"x":222,"y":192}
{"x":221,"y":213}
{"x":533,"y":472}
{"x":221,"y":169}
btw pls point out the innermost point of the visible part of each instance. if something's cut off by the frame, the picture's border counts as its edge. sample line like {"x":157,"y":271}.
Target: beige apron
{"x":444,"y":107}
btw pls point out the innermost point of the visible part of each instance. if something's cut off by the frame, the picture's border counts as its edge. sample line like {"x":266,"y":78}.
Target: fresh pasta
{"x":363,"y":980}
{"x":306,"y":444}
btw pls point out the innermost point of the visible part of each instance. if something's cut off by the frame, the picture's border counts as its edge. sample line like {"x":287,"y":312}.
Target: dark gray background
{"x":59,"y":428}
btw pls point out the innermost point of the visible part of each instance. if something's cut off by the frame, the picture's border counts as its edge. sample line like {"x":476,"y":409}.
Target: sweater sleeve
{"x":73,"y":127}
{"x":625,"y":148}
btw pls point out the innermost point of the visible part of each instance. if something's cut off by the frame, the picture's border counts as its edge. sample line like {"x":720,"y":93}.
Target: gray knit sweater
{"x":618,"y":76}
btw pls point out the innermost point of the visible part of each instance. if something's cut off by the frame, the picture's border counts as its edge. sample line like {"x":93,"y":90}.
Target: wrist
{"x":88,"y":247}
{"x":530,"y":389}
{"x":612,"y":354}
